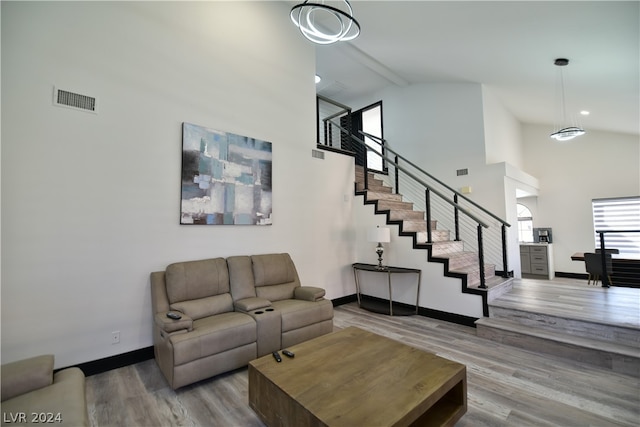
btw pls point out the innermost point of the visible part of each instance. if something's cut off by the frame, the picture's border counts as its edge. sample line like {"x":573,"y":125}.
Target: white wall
{"x":571,"y":174}
{"x":90,"y":203}
{"x":437,"y":292}
{"x":502,"y":132}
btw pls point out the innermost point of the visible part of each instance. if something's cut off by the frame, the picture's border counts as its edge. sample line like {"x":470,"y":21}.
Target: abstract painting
{"x":226,"y":178}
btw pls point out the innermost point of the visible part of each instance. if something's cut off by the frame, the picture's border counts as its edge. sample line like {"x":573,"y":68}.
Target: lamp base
{"x":380,"y":251}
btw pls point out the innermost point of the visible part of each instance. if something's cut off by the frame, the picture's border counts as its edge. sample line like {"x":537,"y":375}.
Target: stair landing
{"x":566,"y":318}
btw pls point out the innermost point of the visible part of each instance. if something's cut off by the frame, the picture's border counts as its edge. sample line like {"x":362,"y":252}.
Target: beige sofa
{"x":32,"y":394}
{"x":232,"y":311}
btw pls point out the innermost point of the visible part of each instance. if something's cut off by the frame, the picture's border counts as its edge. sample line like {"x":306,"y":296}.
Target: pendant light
{"x":570,"y":132}
{"x":325,"y":24}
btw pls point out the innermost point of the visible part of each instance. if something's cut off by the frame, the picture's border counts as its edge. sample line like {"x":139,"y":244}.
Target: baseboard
{"x":458,"y":319}
{"x":580,"y":276}
{"x":117,"y":361}
{"x":344,"y":300}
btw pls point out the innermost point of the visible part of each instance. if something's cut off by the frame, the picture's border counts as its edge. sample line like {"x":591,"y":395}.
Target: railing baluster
{"x":366,"y":170}
{"x":397,"y":175}
{"x":427,"y":198}
{"x":505,"y":266}
{"x":456,"y":218}
{"x":483,"y":285}
{"x":603,"y":258}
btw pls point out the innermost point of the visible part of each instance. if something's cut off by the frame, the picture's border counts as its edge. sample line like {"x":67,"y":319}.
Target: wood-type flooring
{"x":506,"y":386}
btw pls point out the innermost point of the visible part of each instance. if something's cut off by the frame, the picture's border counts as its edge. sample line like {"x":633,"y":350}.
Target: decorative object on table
{"x":226,"y":178}
{"x":542,"y":235}
{"x":567,"y":132}
{"x":380,"y":235}
{"x":325,"y":22}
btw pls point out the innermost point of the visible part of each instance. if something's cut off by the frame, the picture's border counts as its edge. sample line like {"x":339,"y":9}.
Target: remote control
{"x":276,"y":356}
{"x":288,"y":353}
{"x":173,"y":315}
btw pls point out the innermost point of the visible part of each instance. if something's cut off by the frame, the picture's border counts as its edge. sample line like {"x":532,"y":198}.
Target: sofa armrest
{"x":249,"y":304}
{"x":26,"y":375}
{"x":309,"y":293}
{"x":172,"y":325}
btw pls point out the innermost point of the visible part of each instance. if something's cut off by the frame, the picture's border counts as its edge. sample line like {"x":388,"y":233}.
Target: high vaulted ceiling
{"x":508,"y":46}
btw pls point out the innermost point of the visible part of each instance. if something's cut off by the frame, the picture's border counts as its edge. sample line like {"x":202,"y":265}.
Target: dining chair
{"x":593,"y":265}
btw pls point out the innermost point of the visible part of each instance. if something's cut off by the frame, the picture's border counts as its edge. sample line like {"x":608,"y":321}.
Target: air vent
{"x":65,"y":98}
{"x":461,"y":172}
{"x":317,"y":154}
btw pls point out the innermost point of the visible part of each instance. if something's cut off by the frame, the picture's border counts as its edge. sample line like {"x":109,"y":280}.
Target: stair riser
{"x":623,"y":364}
{"x":372,"y":195}
{"x":387,"y":205}
{"x":457,"y":262}
{"x":473,"y":277}
{"x":397,"y":215}
{"x":377,"y":187}
{"x":436,"y":236}
{"x":447,"y":248}
{"x":614,"y":334}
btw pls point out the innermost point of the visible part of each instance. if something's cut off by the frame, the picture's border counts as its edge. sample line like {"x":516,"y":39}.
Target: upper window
{"x":619,"y":217}
{"x":525,"y":224}
{"x":372,"y":124}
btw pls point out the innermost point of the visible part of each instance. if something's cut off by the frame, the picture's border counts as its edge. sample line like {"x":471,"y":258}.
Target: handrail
{"x":380,"y":142}
{"x":603,"y":254}
{"x":418,"y":180}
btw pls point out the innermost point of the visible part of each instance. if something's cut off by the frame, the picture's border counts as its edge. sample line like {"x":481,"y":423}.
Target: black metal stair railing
{"x":436,"y":201}
{"x":626,"y":269}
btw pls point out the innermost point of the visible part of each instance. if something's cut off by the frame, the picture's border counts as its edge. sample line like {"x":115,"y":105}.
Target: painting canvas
{"x":226,"y":178}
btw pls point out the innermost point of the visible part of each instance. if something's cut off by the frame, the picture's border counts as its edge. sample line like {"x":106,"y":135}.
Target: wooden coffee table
{"x":356,"y":378}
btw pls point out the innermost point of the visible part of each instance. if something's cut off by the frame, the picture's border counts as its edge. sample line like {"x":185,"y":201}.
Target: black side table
{"x":388,"y":270}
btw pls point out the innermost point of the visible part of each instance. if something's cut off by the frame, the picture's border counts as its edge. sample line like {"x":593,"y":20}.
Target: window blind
{"x":621,"y":215}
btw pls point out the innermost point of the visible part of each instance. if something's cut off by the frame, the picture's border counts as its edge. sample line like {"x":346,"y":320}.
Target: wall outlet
{"x":115,"y":337}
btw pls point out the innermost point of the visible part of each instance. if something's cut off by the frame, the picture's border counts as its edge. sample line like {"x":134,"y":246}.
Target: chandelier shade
{"x":322,"y":23}
{"x":567,"y":133}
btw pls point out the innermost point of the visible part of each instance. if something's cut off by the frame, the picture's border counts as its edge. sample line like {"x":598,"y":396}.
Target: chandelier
{"x":325,"y":24}
{"x":570,"y":132}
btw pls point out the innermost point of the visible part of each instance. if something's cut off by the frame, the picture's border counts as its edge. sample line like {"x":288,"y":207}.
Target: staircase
{"x":457,"y":261}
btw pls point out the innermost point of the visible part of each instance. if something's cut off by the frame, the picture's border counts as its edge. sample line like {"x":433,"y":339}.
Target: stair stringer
{"x":465,"y":289}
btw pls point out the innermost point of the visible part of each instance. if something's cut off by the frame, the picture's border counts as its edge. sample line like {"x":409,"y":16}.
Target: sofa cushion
{"x":26,"y":375}
{"x":212,"y":335}
{"x":250,"y":304}
{"x":298,"y":313}
{"x":204,"y":307}
{"x":241,"y":277}
{"x":196,"y":279}
{"x":64,"y":400}
{"x":309,"y":293}
{"x":275,"y":276}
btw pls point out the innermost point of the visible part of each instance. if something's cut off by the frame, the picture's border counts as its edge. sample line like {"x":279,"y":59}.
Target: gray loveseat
{"x":32,"y":394}
{"x":232,"y":311}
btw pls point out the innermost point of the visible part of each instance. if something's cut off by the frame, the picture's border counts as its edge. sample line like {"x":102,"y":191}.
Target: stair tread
{"x":591,"y":343}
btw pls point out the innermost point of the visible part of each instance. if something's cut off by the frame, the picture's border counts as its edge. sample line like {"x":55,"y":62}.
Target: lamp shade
{"x":379,"y":234}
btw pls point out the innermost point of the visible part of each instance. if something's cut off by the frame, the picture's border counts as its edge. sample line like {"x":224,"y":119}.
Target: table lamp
{"x":380,"y":235}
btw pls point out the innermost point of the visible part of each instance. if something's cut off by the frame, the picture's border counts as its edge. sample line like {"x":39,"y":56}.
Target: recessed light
{"x":318,"y":78}
{"x":584,"y":112}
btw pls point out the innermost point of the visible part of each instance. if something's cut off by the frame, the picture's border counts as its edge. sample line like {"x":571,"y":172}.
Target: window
{"x":372,"y":124}
{"x":525,"y":224}
{"x":369,"y":120}
{"x":619,"y":216}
